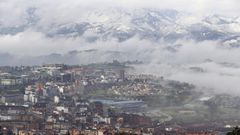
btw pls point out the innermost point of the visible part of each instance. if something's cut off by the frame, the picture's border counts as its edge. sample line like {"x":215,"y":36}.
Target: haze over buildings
{"x":174,"y":61}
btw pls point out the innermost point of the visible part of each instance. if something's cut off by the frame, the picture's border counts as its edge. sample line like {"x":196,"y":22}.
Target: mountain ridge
{"x":122,"y":25}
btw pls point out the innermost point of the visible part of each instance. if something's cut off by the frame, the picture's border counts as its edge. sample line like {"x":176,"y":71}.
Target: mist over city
{"x":119,"y":67}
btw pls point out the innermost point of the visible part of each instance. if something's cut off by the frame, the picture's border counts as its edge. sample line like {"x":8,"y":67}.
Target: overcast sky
{"x":227,"y":7}
{"x":196,"y":6}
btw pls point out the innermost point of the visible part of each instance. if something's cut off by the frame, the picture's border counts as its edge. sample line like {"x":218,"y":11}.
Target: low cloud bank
{"x":205,"y":64}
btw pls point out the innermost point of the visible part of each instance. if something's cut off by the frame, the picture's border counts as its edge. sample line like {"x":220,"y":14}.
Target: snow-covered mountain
{"x":123,"y":24}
